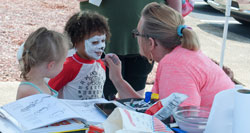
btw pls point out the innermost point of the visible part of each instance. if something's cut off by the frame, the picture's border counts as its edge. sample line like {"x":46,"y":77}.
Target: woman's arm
{"x":175,"y":4}
{"x":123,"y":87}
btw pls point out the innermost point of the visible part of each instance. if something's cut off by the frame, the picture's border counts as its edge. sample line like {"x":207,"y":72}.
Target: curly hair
{"x":83,"y":23}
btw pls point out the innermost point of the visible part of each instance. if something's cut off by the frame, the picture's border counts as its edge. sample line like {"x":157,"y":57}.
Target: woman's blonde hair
{"x":41,"y":46}
{"x":161,"y":23}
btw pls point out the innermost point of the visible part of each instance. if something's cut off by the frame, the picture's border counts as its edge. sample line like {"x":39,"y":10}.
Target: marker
{"x":131,"y":102}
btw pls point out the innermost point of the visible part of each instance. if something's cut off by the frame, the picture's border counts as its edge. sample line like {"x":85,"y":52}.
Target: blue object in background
{"x":178,"y":130}
{"x":147,"y":97}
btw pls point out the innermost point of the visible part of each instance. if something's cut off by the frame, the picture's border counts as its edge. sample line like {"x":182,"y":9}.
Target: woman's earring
{"x":150,"y":60}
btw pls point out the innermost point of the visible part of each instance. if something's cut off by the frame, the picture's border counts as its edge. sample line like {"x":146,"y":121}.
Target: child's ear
{"x":51,"y":65}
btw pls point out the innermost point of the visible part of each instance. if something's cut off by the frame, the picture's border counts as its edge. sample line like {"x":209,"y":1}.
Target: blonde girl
{"x":44,"y":53}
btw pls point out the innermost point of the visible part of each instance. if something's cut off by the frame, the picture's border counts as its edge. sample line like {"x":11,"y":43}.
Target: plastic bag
{"x":187,"y":7}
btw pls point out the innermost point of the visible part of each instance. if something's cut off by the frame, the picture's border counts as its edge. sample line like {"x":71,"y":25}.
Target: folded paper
{"x":124,"y":121}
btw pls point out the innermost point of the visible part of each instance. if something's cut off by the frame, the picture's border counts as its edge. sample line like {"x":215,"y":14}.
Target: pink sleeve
{"x":176,"y":78}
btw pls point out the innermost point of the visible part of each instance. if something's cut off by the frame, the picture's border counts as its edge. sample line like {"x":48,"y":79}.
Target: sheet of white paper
{"x":113,"y":122}
{"x":63,"y":126}
{"x":38,"y":111}
{"x":95,"y":2}
{"x":7,"y":127}
{"x":140,"y":121}
{"x":87,"y":110}
{"x":127,"y":121}
{"x":122,"y":120}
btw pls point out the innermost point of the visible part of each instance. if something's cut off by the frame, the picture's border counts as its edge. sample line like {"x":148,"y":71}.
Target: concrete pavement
{"x":8,"y":92}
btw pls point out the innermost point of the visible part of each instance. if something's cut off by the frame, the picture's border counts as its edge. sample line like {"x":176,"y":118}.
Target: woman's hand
{"x":123,"y":87}
{"x":114,"y":64}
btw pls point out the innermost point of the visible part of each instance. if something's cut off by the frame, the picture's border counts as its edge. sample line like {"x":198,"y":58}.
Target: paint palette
{"x":136,"y":104}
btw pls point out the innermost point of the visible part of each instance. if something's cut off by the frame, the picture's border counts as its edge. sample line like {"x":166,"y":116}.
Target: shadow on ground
{"x":214,"y":23}
{"x":206,"y":10}
{"x":236,"y":32}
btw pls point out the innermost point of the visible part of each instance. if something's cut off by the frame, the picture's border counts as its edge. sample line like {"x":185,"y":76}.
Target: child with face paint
{"x":83,"y":73}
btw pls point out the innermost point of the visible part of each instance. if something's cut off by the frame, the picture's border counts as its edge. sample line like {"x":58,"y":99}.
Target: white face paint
{"x":95,"y":46}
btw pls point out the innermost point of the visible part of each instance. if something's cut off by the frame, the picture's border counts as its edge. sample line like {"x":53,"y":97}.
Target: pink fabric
{"x":190,"y":73}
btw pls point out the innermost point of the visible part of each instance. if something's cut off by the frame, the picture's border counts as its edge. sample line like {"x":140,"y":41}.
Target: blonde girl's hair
{"x":41,"y":46}
{"x":161,"y":23}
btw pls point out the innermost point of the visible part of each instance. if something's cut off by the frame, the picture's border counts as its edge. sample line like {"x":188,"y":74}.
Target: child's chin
{"x":99,"y":54}
{"x":95,"y":58}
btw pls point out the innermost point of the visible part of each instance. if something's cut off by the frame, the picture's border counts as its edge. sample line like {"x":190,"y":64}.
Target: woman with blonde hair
{"x":183,"y":68}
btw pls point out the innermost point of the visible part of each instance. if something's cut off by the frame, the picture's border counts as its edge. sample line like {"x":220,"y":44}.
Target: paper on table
{"x":118,"y":122}
{"x":37,"y":111}
{"x":221,"y":114}
{"x":64,"y":126}
{"x":241,"y":113}
{"x":124,"y":121}
{"x":87,"y":110}
{"x":7,"y":127}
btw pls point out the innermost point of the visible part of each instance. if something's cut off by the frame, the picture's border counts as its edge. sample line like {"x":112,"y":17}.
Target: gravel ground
{"x":18,"y":18}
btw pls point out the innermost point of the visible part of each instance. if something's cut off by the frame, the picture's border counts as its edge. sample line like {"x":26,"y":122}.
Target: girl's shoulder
{"x":26,"y":90}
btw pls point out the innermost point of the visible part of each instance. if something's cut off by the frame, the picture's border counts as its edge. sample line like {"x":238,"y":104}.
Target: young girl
{"x":83,"y":74}
{"x":44,"y":53}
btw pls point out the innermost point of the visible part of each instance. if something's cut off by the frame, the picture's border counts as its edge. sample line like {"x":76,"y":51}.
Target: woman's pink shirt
{"x":191,"y":73}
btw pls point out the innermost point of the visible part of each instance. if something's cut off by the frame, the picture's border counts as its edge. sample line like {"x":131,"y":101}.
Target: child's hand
{"x":114,"y":64}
